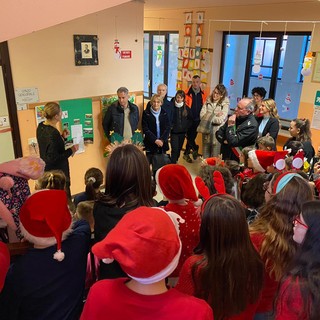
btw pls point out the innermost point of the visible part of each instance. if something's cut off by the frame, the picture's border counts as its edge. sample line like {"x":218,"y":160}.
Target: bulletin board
{"x":77,"y":114}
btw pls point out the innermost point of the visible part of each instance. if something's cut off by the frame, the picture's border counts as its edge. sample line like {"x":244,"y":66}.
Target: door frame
{"x":11,"y":100}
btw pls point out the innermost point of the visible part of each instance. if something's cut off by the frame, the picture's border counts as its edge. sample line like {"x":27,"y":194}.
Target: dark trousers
{"x":191,"y":138}
{"x":177,"y":140}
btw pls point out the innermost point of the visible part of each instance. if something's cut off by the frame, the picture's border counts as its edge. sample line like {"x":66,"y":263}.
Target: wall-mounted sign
{"x":26,"y":95}
{"x":126,"y":54}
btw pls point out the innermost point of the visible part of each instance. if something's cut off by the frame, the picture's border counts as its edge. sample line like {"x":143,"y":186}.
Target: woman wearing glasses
{"x":299,"y":296}
{"x":272,"y":231}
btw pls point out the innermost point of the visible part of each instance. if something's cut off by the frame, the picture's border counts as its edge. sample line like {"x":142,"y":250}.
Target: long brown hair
{"x":128,"y":178}
{"x":227,"y":251}
{"x":275,"y":223}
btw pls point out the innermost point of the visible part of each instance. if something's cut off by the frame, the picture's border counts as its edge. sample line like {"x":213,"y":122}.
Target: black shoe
{"x":187,"y":158}
{"x":195,"y":155}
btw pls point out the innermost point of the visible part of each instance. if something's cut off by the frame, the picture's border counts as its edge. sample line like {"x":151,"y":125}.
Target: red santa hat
{"x":261,"y":159}
{"x":298,"y":160}
{"x":175,"y":182}
{"x":145,"y":243}
{"x":279,"y":160}
{"x":4,"y":263}
{"x":45,"y":219}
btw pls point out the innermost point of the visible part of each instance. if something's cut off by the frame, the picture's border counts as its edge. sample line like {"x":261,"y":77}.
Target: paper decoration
{"x":197,"y":63}
{"x":179,"y":85}
{"x":260,"y":76}
{"x":189,"y":75}
{"x":187,"y":30}
{"x":191,"y":64}
{"x":257,"y":62}
{"x":159,"y":56}
{"x":200,"y":16}
{"x":180,"y":62}
{"x":198,"y":53}
{"x":180,"y":53}
{"x":185,"y":64}
{"x":184,"y":73}
{"x":188,"y":16}
{"x":192,"y":53}
{"x":206,"y":66}
{"x":187,"y":41}
{"x":287,"y":100}
{"x":179,"y":75}
{"x":199,"y":29}
{"x":198,"y":41}
{"x":186,"y":52}
{"x":232,"y":83}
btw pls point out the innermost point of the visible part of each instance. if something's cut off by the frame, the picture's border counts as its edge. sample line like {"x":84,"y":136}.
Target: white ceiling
{"x":197,"y":4}
{"x":20,"y":17}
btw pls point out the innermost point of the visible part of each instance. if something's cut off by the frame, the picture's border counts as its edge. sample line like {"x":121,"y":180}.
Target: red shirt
{"x":186,"y":285}
{"x":113,"y":300}
{"x":290,"y":305}
{"x":189,"y":230}
{"x":270,"y":285}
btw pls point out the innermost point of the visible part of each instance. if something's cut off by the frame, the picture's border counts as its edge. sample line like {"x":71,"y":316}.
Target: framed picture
{"x":85,"y":50}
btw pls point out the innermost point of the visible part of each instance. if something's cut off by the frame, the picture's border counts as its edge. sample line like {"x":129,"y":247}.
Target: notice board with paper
{"x":77,"y":118}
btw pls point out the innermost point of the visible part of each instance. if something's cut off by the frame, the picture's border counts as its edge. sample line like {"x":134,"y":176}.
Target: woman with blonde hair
{"x":272,"y":231}
{"x":269,"y":121}
{"x":52,"y":143}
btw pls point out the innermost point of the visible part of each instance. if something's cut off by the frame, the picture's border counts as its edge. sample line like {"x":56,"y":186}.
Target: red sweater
{"x":189,"y":231}
{"x":187,"y":285}
{"x":112,"y":299}
{"x":290,"y":303}
{"x":270,"y":285}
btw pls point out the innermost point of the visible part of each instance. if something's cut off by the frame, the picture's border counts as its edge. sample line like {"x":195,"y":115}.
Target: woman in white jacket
{"x":217,"y":103}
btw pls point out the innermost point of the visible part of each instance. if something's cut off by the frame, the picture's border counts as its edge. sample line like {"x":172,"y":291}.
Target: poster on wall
{"x":39,"y":114}
{"x":316,"y":112}
{"x":77,"y":118}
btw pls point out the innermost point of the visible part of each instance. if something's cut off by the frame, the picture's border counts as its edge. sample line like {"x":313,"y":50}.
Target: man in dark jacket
{"x":122,"y":116}
{"x":195,"y":98}
{"x":239,"y":131}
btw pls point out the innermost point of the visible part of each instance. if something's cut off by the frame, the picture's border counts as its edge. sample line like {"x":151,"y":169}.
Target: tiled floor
{"x":193,"y":169}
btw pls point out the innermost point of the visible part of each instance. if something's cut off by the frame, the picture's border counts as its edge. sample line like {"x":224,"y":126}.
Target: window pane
{"x":288,"y":88}
{"x":158,"y":52}
{"x":268,"y":53}
{"x":173,"y":63}
{"x":146,"y":75}
{"x":234,"y":67}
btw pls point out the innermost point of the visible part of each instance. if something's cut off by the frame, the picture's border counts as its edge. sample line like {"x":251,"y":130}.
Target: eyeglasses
{"x":216,"y":92}
{"x":297,"y":221}
{"x":265,"y":187}
{"x":256,"y":95}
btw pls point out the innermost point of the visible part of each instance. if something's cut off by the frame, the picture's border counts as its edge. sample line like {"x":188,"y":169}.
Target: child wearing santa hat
{"x":146,"y":244}
{"x":176,"y":184}
{"x":48,"y":281}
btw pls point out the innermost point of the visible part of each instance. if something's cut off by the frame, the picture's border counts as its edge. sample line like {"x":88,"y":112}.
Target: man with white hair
{"x":239,"y":131}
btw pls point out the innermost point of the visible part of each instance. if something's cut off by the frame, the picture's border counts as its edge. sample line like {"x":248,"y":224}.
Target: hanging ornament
{"x":228,"y":42}
{"x":116,"y":49}
{"x":258,"y":55}
{"x":159,"y":56}
{"x":307,"y":63}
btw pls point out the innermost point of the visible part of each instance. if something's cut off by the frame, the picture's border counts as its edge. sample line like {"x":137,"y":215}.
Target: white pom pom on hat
{"x":298,"y":160}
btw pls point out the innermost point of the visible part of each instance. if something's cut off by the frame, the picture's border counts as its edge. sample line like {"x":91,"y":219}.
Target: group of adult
{"x":180,"y":119}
